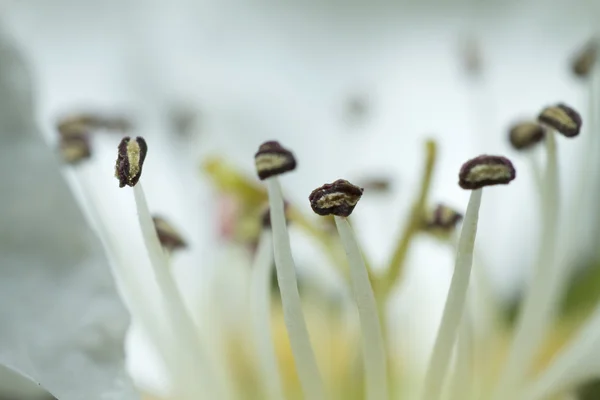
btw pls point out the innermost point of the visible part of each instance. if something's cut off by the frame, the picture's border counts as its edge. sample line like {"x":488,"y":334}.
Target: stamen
{"x":260,"y":295}
{"x":271,"y":160}
{"x":476,"y":173}
{"x":339,"y":199}
{"x":540,"y":302}
{"x":525,"y":135}
{"x":562,"y":118}
{"x":384,"y":285}
{"x":442,"y":220}
{"x":486,"y":171}
{"x":169,"y":238}
{"x":584,"y":61}
{"x":128,"y":170}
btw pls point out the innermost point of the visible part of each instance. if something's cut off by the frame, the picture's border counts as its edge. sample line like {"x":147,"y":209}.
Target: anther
{"x":584,"y":61}
{"x":272,"y":159}
{"x":443,"y":218}
{"x":337,"y":198}
{"x":130,"y":159}
{"x":562,"y":118}
{"x":524,"y":135}
{"x":486,"y":171}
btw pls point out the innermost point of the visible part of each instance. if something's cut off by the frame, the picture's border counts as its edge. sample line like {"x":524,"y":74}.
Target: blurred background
{"x":353,"y":87}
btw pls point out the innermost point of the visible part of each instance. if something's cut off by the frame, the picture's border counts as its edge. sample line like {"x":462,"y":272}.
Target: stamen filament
{"x":584,"y":191}
{"x":487,"y":312}
{"x":372,"y":338}
{"x":306,"y":364}
{"x":390,"y":279}
{"x":536,"y":173}
{"x":463,"y":352}
{"x":462,"y":380}
{"x":545,"y":289}
{"x":260,"y":298}
{"x":455,"y":302}
{"x":190,"y":348}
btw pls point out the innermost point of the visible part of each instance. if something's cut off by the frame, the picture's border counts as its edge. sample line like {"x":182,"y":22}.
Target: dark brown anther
{"x":486,"y":171}
{"x":168,"y":235}
{"x":74,"y":149}
{"x":584,"y":61}
{"x":272,"y":159}
{"x":443,"y":218}
{"x":525,"y":135}
{"x":562,"y":118}
{"x":338,"y":198}
{"x":130,"y":160}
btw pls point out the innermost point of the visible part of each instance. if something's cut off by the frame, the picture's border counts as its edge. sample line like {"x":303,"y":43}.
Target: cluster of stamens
{"x":338,"y":200}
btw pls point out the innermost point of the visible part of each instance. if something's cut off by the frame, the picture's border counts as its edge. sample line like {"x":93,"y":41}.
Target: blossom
{"x":169,"y":164}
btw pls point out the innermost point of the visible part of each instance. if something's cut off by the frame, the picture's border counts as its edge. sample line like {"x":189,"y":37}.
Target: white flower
{"x":291,"y":88}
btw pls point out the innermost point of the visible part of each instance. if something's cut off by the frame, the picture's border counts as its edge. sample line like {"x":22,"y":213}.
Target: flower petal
{"x":65,"y":322}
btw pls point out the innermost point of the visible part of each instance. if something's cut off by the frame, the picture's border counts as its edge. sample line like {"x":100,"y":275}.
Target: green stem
{"x":413,"y":226}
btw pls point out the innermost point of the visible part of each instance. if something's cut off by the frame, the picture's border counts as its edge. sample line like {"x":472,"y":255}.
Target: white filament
{"x":188,"y":347}
{"x":260,"y":297}
{"x":372,"y":338}
{"x":541,"y":299}
{"x":462,"y":381}
{"x":304,"y":358}
{"x":455,"y":302}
